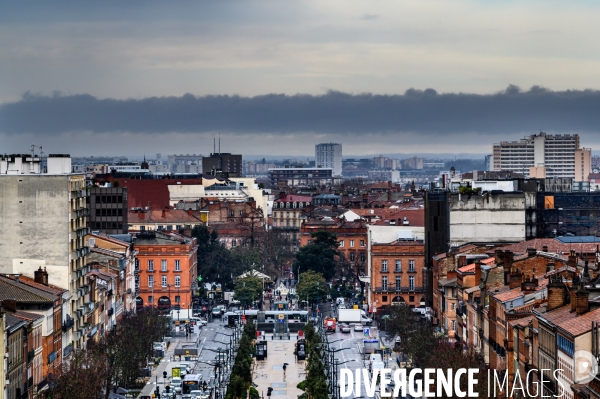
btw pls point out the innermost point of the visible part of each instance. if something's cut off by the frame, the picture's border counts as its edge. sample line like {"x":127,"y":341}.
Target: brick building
{"x":167,"y":269}
{"x":397,"y":273}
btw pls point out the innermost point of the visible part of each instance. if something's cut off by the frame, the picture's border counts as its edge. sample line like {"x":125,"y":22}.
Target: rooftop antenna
{"x":219,"y":143}
{"x":214,"y":145}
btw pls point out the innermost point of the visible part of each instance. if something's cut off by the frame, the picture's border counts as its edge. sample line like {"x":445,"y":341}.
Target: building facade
{"x":310,"y":177}
{"x":222,"y":164}
{"x":397,"y":273}
{"x":555,"y":153}
{"x":287,"y":216}
{"x":167,"y":269}
{"x":44,"y":222}
{"x":329,"y":155}
{"x":108,"y":210}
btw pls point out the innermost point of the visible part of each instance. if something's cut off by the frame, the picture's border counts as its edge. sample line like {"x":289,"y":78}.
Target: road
{"x":208,"y":340}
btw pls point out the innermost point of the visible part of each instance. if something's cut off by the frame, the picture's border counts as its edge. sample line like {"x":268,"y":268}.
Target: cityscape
{"x":267,"y":199}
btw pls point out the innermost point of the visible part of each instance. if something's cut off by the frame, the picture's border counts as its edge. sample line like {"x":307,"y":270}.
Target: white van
{"x":376,"y":367}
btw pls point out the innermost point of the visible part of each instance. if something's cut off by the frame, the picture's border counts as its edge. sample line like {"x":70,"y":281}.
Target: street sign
{"x":281,"y":317}
{"x":176,"y":372}
{"x":367,"y":331}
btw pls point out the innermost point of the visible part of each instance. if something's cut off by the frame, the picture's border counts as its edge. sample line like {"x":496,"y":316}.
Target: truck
{"x":329,"y":323}
{"x":352,"y":316}
{"x":182,"y":314}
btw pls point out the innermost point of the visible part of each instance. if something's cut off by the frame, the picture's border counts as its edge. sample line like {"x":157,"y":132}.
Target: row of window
{"x":411,"y":265}
{"x":566,"y":345}
{"x":411,"y":282}
{"x":353,"y":256}
{"x":105,"y":225}
{"x":164,"y":265}
{"x":109,"y":199}
{"x":163,"y":281}
{"x":290,"y":205}
{"x":151,"y":299}
{"x":362,"y":243}
{"x":109,"y":212}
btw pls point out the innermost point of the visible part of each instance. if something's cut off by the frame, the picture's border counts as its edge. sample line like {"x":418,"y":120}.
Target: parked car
{"x":345,"y":328}
{"x":176,"y":383}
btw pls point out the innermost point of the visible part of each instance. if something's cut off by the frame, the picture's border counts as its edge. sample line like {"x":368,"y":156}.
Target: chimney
{"x":140,"y":214}
{"x":549,"y":267}
{"x":498,"y":256}
{"x":389,"y":195}
{"x":531,"y":251}
{"x":45,"y":277}
{"x":451,"y":274}
{"x":573,"y":292}
{"x":508,"y":262}
{"x":365,"y":198}
{"x":190,"y":212}
{"x":38,"y":276}
{"x":556,"y":293}
{"x":389,"y":183}
{"x":545,"y":248}
{"x":163,"y":214}
{"x":281,"y":194}
{"x":9,"y":304}
{"x":516,"y":278}
{"x":572,"y":259}
{"x":529,"y":285}
{"x":583,"y":304}
{"x":477,"y":272}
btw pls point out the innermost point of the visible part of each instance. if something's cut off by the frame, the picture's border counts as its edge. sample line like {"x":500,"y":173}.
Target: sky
{"x":277,"y":77}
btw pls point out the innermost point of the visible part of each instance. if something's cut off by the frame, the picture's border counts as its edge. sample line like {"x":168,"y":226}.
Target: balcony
{"x":110,"y":312}
{"x":399,"y":290}
{"x":68,"y":324}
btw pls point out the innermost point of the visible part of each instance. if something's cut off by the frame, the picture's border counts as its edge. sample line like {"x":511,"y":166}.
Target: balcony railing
{"x":394,"y":289}
{"x":68,"y":324}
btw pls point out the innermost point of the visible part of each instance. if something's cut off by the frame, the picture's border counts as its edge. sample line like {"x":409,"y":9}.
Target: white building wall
{"x":487,"y":218}
{"x":329,"y":155}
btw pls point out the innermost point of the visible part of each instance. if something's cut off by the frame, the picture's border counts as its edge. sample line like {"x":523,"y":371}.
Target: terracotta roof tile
{"x":524,"y":321}
{"x":468,"y":268}
{"x":508,"y":295}
{"x":580,"y":324}
{"x":294,"y":198}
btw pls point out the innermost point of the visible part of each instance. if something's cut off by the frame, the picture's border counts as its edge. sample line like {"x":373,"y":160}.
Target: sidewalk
{"x":269,"y":372}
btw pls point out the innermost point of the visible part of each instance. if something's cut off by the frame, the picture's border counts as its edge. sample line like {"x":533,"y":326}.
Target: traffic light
{"x":269,"y":389}
{"x":164,"y":374}
{"x":168,"y":388}
{"x":157,"y":392}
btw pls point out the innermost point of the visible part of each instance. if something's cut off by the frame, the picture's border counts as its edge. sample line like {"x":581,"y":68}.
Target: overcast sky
{"x":276,"y":77}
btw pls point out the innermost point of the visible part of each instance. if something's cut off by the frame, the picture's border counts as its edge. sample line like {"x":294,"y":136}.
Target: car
{"x":216,"y":312}
{"x":202,"y":321}
{"x":358,"y":327}
{"x":176,"y":384}
{"x":345,"y":328}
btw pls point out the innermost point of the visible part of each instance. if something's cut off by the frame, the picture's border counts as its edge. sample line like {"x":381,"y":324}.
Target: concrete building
{"x":583,"y":164}
{"x":293,"y":177}
{"x":384,"y":175}
{"x":556,"y":153}
{"x":222,"y":164}
{"x":44,"y":222}
{"x":488,"y":218}
{"x":108,"y":210}
{"x":329,"y":155}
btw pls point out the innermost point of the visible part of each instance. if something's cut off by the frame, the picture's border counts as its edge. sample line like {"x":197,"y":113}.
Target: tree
{"x":319,"y":255}
{"x":312,"y":286}
{"x":83,"y":377}
{"x":248,"y":289}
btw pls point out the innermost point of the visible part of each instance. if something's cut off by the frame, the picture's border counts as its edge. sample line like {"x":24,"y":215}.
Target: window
{"x":150,"y":265}
{"x":241,"y":213}
{"x":411,"y":298}
{"x":411,"y":265}
{"x":362,"y":243}
{"x":362,"y":256}
{"x":163,"y":265}
{"x":342,"y":244}
{"x":177,"y":299}
{"x":142,"y":228}
{"x":565,"y":345}
{"x":150,"y":299}
{"x":150,"y":281}
{"x":453,"y":306}
{"x":351,"y":243}
{"x":398,"y":265}
{"x":384,"y":266}
{"x":384,"y":282}
{"x":233,"y":243}
{"x":177,"y":281}
{"x":177,"y":265}
{"x":453,"y":325}
{"x":398,"y":283}
{"x":411,"y":283}
{"x":164,"y":281}
{"x":352,"y":256}
{"x":231,"y":213}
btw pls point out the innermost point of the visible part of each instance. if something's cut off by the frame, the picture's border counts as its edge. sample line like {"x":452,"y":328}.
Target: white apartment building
{"x":554,"y":153}
{"x":329,"y":155}
{"x":44,"y":217}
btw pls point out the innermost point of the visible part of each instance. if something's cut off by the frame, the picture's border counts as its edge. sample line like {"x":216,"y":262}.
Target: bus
{"x":271,"y":316}
{"x":191,"y":382}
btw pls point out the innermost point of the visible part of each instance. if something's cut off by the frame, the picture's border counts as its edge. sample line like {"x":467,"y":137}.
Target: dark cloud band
{"x":415,"y":111}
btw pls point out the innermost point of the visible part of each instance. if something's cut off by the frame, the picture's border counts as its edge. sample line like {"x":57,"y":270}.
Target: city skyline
{"x":379,"y":77}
